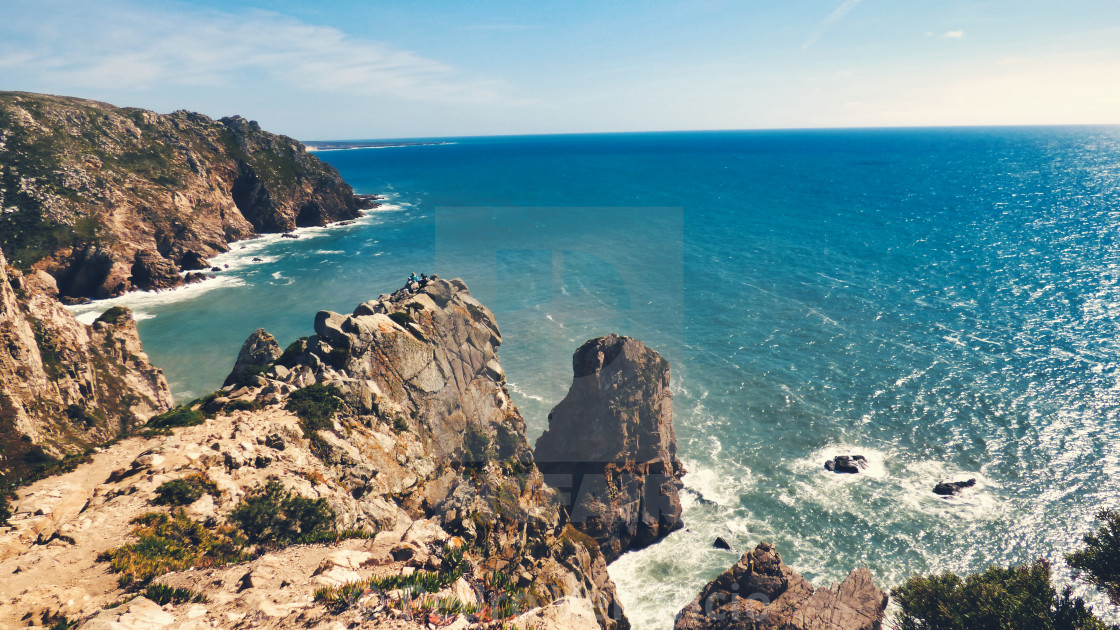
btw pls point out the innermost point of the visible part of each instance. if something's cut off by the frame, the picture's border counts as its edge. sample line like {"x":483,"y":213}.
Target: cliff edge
{"x":64,"y":386}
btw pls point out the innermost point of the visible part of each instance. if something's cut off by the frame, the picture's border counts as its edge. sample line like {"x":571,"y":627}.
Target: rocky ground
{"x":423,"y":458}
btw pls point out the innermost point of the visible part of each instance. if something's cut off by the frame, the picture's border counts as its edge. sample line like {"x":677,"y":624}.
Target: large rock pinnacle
{"x":611,"y":443}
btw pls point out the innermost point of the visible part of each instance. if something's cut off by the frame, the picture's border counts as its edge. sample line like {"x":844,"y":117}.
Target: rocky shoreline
{"x":108,"y":200}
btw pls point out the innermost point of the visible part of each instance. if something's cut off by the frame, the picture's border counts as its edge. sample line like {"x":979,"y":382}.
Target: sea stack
{"x":610,"y":445}
{"x":761,"y":592}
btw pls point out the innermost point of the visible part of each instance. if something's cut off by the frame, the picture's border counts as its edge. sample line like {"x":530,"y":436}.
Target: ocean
{"x":945,"y":302}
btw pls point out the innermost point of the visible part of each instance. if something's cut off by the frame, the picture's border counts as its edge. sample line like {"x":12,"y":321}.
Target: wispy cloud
{"x":130,"y":48}
{"x":958,"y":34}
{"x":831,"y":20}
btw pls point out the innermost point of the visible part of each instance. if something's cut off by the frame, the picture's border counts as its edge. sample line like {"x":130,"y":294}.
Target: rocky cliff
{"x":386,"y":442}
{"x":110,"y":199}
{"x":611,"y":445}
{"x":761,"y":593}
{"x":65,"y":386}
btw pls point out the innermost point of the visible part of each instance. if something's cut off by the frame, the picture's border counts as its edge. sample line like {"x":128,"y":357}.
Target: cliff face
{"x":398,"y":418}
{"x":760,"y":592}
{"x":611,"y":442}
{"x":110,"y":199}
{"x":65,"y":386}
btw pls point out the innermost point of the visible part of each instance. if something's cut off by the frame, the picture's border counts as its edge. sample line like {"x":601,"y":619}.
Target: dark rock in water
{"x":216,"y":268}
{"x":849,"y":464}
{"x":611,"y":445}
{"x":949,"y":488}
{"x":289,"y":235}
{"x":760,"y":591}
{"x":152,"y":271}
{"x":256,"y":259}
{"x":192,"y":261}
{"x":720,"y":543}
{"x":258,"y":351}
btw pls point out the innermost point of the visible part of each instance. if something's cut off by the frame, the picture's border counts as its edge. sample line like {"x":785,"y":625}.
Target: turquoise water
{"x":946,"y":302}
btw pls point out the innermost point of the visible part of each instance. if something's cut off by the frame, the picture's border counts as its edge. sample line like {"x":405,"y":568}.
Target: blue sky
{"x":389,"y":69}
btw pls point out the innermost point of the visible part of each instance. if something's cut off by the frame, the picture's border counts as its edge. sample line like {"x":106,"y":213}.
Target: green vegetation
{"x":315,"y":405}
{"x":56,"y":621}
{"x":274,"y":517}
{"x":185,"y":491}
{"x":113,"y":315}
{"x":163,"y":595}
{"x":1099,"y":562}
{"x":178,"y":417}
{"x":1015,"y":598}
{"x":343,"y":597}
{"x":292,"y":352}
{"x":572,"y":536}
{"x":476,"y":445}
{"x":172,"y":542}
{"x":78,"y":414}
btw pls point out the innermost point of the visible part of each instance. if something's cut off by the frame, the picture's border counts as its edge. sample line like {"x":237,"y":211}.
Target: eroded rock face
{"x":760,"y":592}
{"x":111,"y":199}
{"x":611,"y":444}
{"x":65,"y":386}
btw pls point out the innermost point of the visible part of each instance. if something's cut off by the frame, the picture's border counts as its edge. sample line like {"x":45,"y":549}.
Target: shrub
{"x":315,"y":405}
{"x":113,"y":315}
{"x":184,"y":491}
{"x":1099,"y":562}
{"x":77,"y":413}
{"x":273,"y":516}
{"x":1018,"y":597}
{"x":163,"y":595}
{"x":172,"y":542}
{"x":178,"y":417}
{"x":292,"y":352}
{"x":476,"y":445}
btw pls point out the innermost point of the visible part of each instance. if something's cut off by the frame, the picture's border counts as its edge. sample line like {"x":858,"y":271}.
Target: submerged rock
{"x":760,"y":592}
{"x":850,"y":464}
{"x":949,"y":488}
{"x":611,"y":442}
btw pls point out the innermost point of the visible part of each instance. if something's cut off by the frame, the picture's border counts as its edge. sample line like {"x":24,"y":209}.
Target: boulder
{"x":950,"y":488}
{"x":850,"y":464}
{"x":258,"y":351}
{"x":761,"y":592}
{"x":610,"y":445}
{"x":566,"y":613}
{"x":720,"y":543}
{"x":151,"y":271}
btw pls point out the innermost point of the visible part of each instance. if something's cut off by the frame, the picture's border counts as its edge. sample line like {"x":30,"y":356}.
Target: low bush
{"x":294,"y":349}
{"x":178,"y":417}
{"x":1019,"y":597}
{"x":172,"y":542}
{"x":163,"y":595}
{"x":273,"y":516}
{"x":1099,"y":562}
{"x":315,"y":405}
{"x":184,"y":491}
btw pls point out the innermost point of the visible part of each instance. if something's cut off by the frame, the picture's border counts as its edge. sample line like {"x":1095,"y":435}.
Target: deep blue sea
{"x":943,"y":301}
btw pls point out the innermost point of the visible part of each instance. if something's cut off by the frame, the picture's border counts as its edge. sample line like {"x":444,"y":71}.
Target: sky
{"x":365,"y":69}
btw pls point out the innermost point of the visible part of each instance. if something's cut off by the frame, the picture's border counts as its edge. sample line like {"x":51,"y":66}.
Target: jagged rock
{"x":65,"y":386}
{"x":720,"y":543}
{"x":258,"y":351}
{"x":760,"y":592}
{"x":193,"y":261}
{"x":949,"y":488}
{"x":611,"y":442}
{"x":850,"y":464}
{"x":567,"y":613}
{"x":199,"y":185}
{"x":151,"y":271}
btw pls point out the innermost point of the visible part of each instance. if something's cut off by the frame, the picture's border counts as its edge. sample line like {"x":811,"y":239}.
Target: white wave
{"x":876,"y":463}
{"x":513,"y":387}
{"x":276,"y":275}
{"x":326,"y":252}
{"x":722,"y":487}
{"x":143,"y":303}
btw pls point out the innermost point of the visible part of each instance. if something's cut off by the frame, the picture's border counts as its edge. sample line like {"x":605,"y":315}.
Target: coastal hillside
{"x":65,"y":387}
{"x":374,"y":473}
{"x":108,"y":199}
